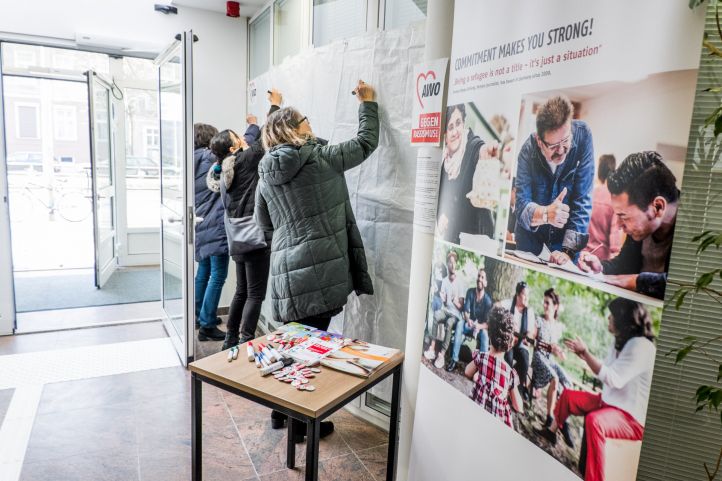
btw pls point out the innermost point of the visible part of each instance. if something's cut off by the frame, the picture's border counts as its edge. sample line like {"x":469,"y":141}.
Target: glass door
{"x":176,"y":155}
{"x":102,"y":168}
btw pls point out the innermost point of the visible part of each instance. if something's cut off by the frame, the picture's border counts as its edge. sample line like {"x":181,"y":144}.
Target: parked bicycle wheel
{"x":74,"y":206}
{"x":21,"y":206}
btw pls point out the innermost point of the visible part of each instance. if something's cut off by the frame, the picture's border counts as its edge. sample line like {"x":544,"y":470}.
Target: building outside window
{"x":65,"y":122}
{"x":27,"y":121}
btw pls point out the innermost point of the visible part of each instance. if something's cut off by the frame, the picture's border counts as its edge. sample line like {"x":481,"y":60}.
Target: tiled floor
{"x":136,"y":426}
{"x":42,"y":321}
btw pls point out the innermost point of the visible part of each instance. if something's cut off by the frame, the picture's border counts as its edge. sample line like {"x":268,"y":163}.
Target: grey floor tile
{"x":117,"y":464}
{"x":64,"y":434}
{"x":21,"y":343}
{"x":374,"y":460}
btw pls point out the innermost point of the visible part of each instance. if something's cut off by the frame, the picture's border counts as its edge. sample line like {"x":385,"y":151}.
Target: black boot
{"x":211,"y":334}
{"x":567,"y":435}
{"x":549,"y":421}
{"x":278,"y":420}
{"x":230,"y":341}
{"x":299,"y":430}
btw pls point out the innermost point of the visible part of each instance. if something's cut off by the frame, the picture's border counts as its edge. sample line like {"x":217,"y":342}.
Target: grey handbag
{"x":243,"y":233}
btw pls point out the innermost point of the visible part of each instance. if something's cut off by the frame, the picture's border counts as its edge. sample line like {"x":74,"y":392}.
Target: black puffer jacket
{"x":302,"y":203}
{"x":210,"y":232}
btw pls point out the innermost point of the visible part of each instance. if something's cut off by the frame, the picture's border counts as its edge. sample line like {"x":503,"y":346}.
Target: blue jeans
{"x":462,"y":329}
{"x":211,"y":276}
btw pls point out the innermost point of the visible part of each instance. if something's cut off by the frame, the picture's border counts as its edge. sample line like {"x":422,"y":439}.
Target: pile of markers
{"x":270,"y":361}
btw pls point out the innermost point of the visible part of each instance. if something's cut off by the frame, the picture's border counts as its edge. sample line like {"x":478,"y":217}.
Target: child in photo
{"x":495,"y":382}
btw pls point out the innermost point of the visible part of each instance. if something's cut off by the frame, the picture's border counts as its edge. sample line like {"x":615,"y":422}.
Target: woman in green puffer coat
{"x":302,"y":204}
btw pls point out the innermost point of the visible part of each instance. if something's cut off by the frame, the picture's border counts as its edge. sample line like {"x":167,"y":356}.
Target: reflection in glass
{"x":172,"y":171}
{"x":171,"y":129}
{"x":101,"y":125}
{"x":334,"y":19}
{"x":20,"y":58}
{"x":142,"y":157}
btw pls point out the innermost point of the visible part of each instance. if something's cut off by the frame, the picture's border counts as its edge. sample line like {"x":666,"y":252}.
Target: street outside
{"x":52,"y":228}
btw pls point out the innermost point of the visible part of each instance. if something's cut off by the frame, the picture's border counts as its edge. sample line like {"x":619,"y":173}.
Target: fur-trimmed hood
{"x":213,"y":180}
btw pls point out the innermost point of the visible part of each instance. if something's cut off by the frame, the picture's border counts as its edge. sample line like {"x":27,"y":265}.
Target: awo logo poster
{"x":426,"y":122}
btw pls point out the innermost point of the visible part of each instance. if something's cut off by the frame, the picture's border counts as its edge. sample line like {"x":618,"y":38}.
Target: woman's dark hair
{"x":552,"y":294}
{"x":221,"y":143}
{"x":630,"y":319}
{"x":202,"y":135}
{"x":450,"y":110}
{"x":607,"y":164}
{"x":520,"y":286}
{"x":501,"y":329}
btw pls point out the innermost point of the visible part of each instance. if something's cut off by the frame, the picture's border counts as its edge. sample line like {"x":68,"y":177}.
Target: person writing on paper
{"x":239,"y":174}
{"x":620,"y":410}
{"x":462,"y":151}
{"x":303,"y":207}
{"x":605,"y":235}
{"x":495,"y":382}
{"x":477,"y":305}
{"x":452,"y":297}
{"x":645,"y":199}
{"x":554,"y":177}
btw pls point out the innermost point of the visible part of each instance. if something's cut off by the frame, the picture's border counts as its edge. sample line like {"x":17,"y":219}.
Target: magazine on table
{"x":358,"y":358}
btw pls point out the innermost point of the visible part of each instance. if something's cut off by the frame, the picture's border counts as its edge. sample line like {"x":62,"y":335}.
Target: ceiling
{"x":248,"y":7}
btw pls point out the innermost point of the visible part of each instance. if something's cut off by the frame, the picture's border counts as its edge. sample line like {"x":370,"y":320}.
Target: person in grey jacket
{"x":302,"y":205}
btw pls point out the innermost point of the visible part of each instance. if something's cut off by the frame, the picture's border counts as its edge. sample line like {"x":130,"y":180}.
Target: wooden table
{"x":334,"y":389}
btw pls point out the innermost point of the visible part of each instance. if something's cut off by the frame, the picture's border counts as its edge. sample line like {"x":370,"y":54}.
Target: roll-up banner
{"x":565,"y":138}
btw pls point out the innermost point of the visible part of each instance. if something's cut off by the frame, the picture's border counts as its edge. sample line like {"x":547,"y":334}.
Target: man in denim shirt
{"x":554,"y":179}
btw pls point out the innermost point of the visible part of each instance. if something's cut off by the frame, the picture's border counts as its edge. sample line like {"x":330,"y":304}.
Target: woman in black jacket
{"x":211,"y":247}
{"x":239,"y":173}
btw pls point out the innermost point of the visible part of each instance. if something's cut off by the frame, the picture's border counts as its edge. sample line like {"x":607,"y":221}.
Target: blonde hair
{"x":281,"y":128}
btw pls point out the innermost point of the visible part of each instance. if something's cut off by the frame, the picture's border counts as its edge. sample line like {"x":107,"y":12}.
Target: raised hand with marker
{"x":364,"y":92}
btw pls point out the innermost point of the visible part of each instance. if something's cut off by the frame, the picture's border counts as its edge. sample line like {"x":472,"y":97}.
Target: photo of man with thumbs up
{"x":554,"y":180}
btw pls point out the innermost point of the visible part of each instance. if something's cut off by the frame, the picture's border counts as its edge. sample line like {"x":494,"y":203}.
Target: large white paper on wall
{"x":319,"y":83}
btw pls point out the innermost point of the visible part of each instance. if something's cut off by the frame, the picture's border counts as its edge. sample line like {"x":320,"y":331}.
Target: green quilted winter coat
{"x":302,"y":203}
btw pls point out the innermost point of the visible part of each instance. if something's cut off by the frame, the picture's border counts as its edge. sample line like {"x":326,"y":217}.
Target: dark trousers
{"x":518,"y":357}
{"x":251,"y":283}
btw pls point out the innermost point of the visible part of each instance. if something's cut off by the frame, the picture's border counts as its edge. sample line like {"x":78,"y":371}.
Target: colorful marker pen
{"x":251,"y":352}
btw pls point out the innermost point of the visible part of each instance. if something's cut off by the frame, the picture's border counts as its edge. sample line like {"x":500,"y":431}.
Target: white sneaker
{"x":439,"y":364}
{"x":430,"y":354}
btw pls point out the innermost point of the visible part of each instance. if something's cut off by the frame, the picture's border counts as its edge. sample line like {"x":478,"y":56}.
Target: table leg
{"x":313,"y":432}
{"x":291,"y":446}
{"x":394,"y":427}
{"x":196,"y":426}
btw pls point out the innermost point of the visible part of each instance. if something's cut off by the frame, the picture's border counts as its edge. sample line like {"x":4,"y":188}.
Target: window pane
{"x":142,"y":157}
{"x":27,"y":118}
{"x":260,"y":44}
{"x":139,"y":69}
{"x":65,"y":122}
{"x":333,"y":19}
{"x":287,"y":29}
{"x":403,"y":12}
{"x":18,"y":58}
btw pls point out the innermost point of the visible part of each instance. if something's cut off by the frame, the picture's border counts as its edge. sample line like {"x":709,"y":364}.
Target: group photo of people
{"x":590,"y":199}
{"x":566,"y":366}
{"x":474,"y":178}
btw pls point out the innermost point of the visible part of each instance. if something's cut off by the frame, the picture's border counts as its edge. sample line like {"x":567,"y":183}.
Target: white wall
{"x":219,"y":60}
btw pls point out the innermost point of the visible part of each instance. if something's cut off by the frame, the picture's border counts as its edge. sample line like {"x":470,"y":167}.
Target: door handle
{"x":197,"y":220}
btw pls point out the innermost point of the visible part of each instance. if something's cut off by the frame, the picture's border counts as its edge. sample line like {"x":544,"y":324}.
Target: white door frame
{"x":7,"y":291}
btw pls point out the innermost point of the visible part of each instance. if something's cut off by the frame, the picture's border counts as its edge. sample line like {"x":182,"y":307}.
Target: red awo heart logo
{"x":428,"y":89}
